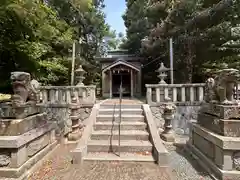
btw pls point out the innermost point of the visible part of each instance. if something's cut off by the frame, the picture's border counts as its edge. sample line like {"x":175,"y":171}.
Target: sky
{"x":114,"y":10}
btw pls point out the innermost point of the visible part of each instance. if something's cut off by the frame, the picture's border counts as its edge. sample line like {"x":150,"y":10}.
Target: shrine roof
{"x":120,"y":62}
{"x":115,"y":55}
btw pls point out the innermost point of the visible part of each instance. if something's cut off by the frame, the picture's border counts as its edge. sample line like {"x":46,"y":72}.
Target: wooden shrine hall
{"x":120,"y":66}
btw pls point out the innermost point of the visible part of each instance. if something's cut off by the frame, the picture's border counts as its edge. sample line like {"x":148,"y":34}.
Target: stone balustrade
{"x":61,"y":95}
{"x":179,"y":93}
{"x":56,"y":102}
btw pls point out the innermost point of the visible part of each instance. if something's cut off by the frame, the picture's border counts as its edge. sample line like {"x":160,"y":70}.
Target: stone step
{"x":113,"y":146}
{"x":123,"y":111}
{"x":123,"y":126}
{"x":104,"y":156}
{"x":124,"y":135}
{"x":124,"y":117}
{"x":123,"y":106}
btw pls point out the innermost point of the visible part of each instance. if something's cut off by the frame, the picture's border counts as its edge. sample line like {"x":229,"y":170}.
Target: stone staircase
{"x":134,"y":137}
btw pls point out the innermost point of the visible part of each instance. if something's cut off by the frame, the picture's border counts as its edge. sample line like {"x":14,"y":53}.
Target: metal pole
{"x":120,"y":117}
{"x":171,"y":59}
{"x":73,"y":63}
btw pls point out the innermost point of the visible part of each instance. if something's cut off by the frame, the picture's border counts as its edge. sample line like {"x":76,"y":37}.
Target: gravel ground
{"x":59,"y":167}
{"x":183,"y":166}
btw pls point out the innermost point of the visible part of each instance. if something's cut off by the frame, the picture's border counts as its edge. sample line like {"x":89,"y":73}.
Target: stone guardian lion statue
{"x":220,"y":89}
{"x":25,"y":90}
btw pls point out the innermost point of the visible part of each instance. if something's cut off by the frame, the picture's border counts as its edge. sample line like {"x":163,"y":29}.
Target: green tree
{"x":202,"y":33}
{"x":37,"y":35}
{"x":136,"y":23}
{"x":33,"y":39}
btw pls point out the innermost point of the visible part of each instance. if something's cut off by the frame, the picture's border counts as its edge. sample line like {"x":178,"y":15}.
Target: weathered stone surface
{"x":4,"y":159}
{"x":183,"y":115}
{"x":61,"y":116}
{"x":21,"y":172}
{"x":218,"y":153}
{"x":222,"y":111}
{"x":223,"y":127}
{"x":14,"y":127}
{"x":168,"y":137}
{"x":18,"y":141}
{"x":204,"y":145}
{"x":18,"y":157}
{"x":7,"y":111}
{"x":38,"y":144}
{"x":236,"y":160}
{"x":84,"y":113}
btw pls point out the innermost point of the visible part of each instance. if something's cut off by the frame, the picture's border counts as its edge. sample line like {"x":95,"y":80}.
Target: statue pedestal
{"x":23,"y":141}
{"x":215,"y":139}
{"x":221,"y":119}
{"x":216,"y":153}
{"x":168,"y":137}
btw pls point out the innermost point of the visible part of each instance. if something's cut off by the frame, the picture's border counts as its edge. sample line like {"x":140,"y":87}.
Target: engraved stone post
{"x":80,"y":75}
{"x":75,"y":134}
{"x":168,"y":115}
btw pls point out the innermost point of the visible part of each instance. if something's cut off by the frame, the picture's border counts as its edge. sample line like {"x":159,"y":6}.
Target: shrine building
{"x":118,"y":65}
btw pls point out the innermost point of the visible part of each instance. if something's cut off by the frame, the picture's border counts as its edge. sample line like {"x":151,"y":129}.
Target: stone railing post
{"x":168,"y":115}
{"x":149,"y":94}
{"x":200,"y":93}
{"x":76,"y":133}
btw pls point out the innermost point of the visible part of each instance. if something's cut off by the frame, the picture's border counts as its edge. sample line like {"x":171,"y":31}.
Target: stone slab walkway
{"x":59,"y":167}
{"x":124,"y":101}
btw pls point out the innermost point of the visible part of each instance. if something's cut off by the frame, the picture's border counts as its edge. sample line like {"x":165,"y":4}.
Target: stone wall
{"x":185,"y":113}
{"x":60,"y":115}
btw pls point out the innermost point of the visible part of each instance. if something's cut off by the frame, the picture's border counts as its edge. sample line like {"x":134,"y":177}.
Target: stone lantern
{"x":169,"y":111}
{"x":80,"y":75}
{"x":162,"y":73}
{"x":145,"y":42}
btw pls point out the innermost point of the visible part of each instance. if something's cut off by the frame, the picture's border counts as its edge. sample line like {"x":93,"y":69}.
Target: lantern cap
{"x":162,"y":68}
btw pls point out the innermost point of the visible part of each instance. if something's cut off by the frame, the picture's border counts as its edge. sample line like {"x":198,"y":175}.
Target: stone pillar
{"x":149,"y":95}
{"x":158,"y":99}
{"x":168,"y":115}
{"x":76,"y":133}
{"x":131,"y":83}
{"x":191,"y":94}
{"x":140,"y":82}
{"x":110,"y":83}
{"x":183,"y":94}
{"x":201,"y":93}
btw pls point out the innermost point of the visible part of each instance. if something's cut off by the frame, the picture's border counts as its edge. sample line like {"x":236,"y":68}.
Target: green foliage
{"x":136,"y":24}
{"x":32,"y":37}
{"x":37,"y":36}
{"x":206,"y":35}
